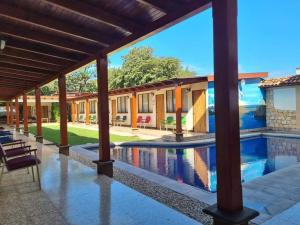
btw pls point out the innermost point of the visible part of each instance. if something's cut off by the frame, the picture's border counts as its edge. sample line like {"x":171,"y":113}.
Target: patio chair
{"x":183,"y":123}
{"x":117,"y":120}
{"x":123,"y":119}
{"x":21,"y":159}
{"x":170,"y":122}
{"x":140,"y":121}
{"x":147,"y":121}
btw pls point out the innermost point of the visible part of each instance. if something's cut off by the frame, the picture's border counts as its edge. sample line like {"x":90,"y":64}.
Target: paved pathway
{"x":73,"y":194}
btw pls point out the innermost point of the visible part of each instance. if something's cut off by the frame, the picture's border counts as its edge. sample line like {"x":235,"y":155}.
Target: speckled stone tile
{"x":73,"y":193}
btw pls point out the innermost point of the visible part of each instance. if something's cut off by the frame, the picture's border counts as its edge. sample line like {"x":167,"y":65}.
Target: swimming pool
{"x":197,"y":166}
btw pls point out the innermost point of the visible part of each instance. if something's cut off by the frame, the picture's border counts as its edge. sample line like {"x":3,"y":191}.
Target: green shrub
{"x":55,"y":112}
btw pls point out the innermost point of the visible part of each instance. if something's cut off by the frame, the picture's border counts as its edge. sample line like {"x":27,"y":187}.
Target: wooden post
{"x":178,"y":94}
{"x":104,"y":164}
{"x":229,"y":208}
{"x":134,"y":111}
{"x":74,"y":112}
{"x":25,"y":114}
{"x":7,"y":113}
{"x":17,"y":114}
{"x":63,"y":147}
{"x":38,"y":110}
{"x":87,"y":111}
{"x":11,"y":115}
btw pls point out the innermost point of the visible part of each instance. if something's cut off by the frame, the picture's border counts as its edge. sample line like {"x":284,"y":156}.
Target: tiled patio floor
{"x":73,"y":194}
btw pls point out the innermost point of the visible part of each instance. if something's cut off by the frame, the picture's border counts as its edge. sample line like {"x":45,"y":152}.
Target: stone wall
{"x":278,"y":119}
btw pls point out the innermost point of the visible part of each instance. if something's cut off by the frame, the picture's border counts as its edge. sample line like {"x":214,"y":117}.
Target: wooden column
{"x":63,"y":147}
{"x":7,"y":113}
{"x":74,"y":112}
{"x":104,"y":164}
{"x":17,"y":114}
{"x":178,"y":98}
{"x":229,"y":208}
{"x":25,"y":114}
{"x":87,"y":111}
{"x":11,"y":115}
{"x":134,"y":111}
{"x":38,"y":110}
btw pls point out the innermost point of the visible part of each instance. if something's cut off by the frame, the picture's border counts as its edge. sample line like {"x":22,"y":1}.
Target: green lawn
{"x":76,"y":135}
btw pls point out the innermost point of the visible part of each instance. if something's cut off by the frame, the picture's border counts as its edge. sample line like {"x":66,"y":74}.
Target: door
{"x":160,"y":109}
{"x":29,"y":111}
{"x":45,"y":111}
{"x":113,"y":109}
{"x":199,"y":111}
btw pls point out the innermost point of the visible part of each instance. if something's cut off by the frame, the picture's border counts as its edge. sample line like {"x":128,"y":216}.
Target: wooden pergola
{"x":47,"y":39}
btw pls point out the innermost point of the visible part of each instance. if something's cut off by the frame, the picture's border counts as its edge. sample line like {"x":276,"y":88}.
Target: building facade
{"x":283,"y":102}
{"x":156,"y":104}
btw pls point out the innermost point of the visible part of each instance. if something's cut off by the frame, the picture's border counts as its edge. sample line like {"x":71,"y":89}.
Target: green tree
{"x":140,"y":66}
{"x":82,"y":80}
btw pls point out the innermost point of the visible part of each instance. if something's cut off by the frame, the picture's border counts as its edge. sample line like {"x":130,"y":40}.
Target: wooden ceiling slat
{"x":19,"y":76}
{"x":54,"y":24}
{"x":42,"y":49}
{"x":32,"y":64}
{"x":185,"y":11}
{"x":19,"y":53}
{"x":97,"y":14}
{"x":47,"y":39}
{"x":26,"y":69}
{"x":15,"y":81}
{"x":163,"y":6}
{"x":15,"y":71}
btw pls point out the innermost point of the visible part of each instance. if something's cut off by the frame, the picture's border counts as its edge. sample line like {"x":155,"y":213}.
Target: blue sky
{"x":268,"y":32}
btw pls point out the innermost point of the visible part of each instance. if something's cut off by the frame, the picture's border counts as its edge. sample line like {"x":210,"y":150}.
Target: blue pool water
{"x":197,"y":166}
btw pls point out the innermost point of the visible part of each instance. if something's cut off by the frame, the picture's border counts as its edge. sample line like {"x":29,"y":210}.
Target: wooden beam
{"x":229,"y":191}
{"x":11,"y":121}
{"x":38,"y":109}
{"x":178,"y":98}
{"x":17,"y":113}
{"x":87,"y":111}
{"x":29,"y":63}
{"x":58,"y":26}
{"x":14,"y":86}
{"x":25,"y":114}
{"x":229,"y":208}
{"x":104,"y":165}
{"x":26,"y":45}
{"x":7,"y":113}
{"x":97,"y":14}
{"x":63,"y":148}
{"x":36,"y":57}
{"x":25,"y":68}
{"x":134,"y":111}
{"x":46,"y":38}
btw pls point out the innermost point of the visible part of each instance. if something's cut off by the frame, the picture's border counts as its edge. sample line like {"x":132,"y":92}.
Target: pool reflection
{"x":197,"y":166}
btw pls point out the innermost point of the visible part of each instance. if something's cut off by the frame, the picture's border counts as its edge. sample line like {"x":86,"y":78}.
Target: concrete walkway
{"x":72,"y":193}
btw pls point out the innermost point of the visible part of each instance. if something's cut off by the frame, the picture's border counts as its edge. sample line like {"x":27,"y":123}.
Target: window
{"x":144,"y":103}
{"x":81,"y":107}
{"x":171,"y":101}
{"x":122,"y":104}
{"x":93,"y":106}
{"x":185,"y":106}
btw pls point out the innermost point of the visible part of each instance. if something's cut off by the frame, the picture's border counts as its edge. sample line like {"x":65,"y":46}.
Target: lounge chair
{"x":19,"y":158}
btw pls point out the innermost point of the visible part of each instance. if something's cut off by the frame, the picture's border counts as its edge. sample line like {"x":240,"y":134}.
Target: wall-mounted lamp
{"x":152,"y":93}
{"x":2,"y":44}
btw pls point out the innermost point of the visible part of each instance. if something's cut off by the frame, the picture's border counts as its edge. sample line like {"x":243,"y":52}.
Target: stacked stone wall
{"x":278,"y":119}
